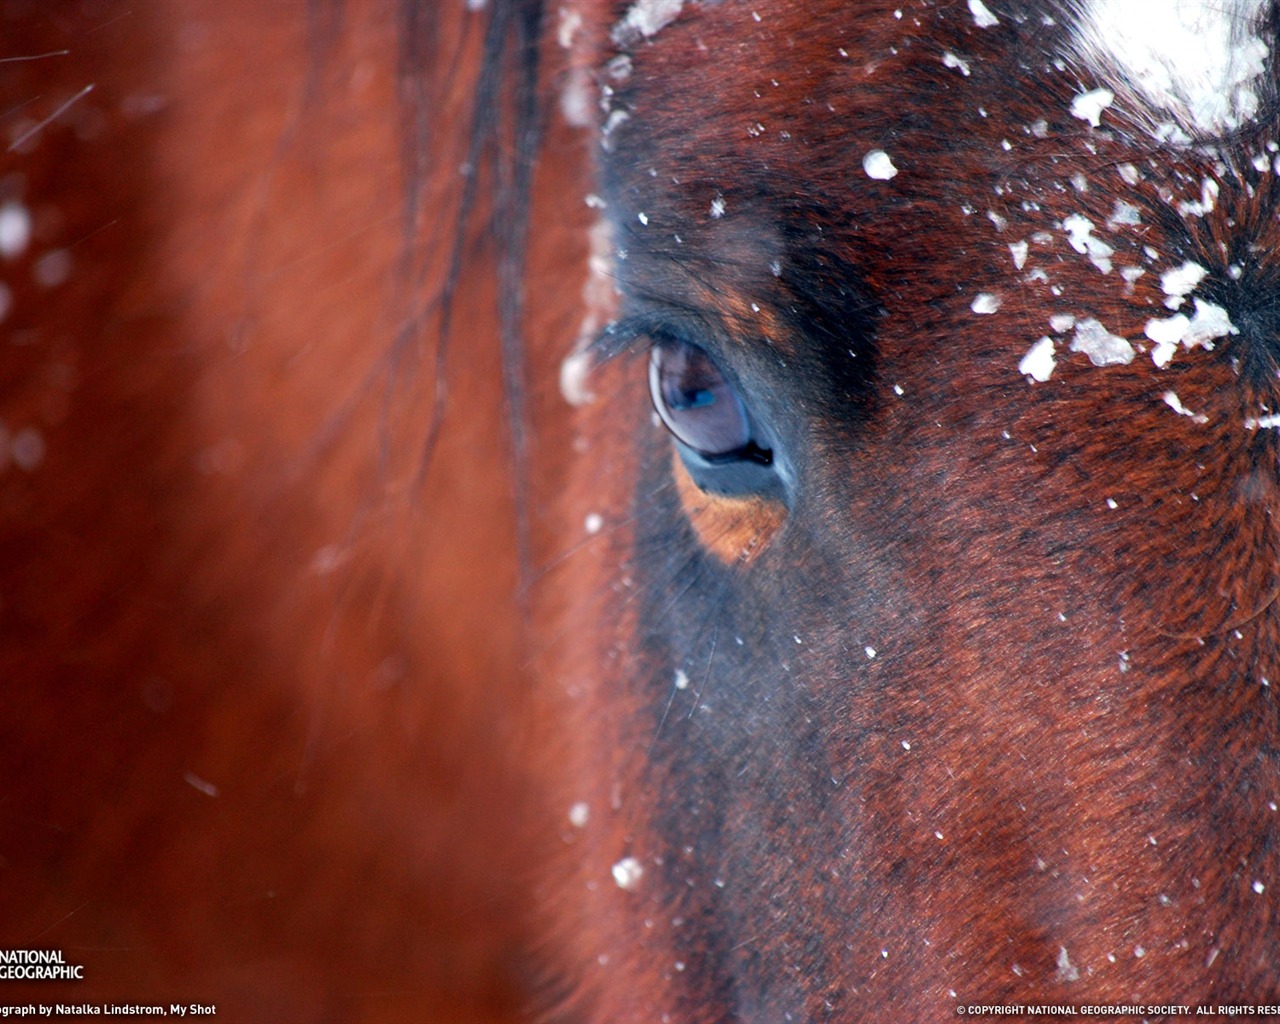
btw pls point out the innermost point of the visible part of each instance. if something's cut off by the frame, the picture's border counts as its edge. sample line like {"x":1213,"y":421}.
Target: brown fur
{"x":287,"y":732}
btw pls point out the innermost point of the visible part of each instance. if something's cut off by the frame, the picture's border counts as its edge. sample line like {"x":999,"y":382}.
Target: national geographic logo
{"x":37,"y":965}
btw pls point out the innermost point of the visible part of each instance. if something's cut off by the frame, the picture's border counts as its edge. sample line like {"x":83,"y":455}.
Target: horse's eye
{"x":696,"y":402}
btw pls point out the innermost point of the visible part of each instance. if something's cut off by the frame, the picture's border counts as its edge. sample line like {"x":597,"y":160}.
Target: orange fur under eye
{"x":733,"y":529}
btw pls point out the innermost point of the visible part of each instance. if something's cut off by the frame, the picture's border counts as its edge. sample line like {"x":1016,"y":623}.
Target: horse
{"x":651,"y":510}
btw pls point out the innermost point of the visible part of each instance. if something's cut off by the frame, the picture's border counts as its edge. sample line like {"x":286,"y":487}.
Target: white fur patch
{"x":1194,"y":63}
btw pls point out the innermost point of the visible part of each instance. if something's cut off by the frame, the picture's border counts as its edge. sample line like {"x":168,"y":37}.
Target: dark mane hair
{"x":502,"y":139}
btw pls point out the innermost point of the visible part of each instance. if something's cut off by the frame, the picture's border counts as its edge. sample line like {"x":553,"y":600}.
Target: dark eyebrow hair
{"x":625,"y":335}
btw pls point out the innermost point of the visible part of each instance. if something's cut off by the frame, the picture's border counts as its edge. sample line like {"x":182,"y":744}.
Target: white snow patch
{"x":1180,"y":282}
{"x":1172,"y":400}
{"x":577,"y":99}
{"x":950,"y":60}
{"x":878,"y":165}
{"x":1062,"y":322}
{"x":681,"y":680}
{"x":1089,"y":106}
{"x":574,"y":372}
{"x":593,"y":523}
{"x":15,"y":230}
{"x":612,"y":123}
{"x":1124,"y":213}
{"x":599,"y":299}
{"x":627,"y":873}
{"x":1166,"y":334}
{"x":1079,"y":233}
{"x":717,"y":206}
{"x":1209,"y":323}
{"x":1039,"y":362}
{"x":1067,"y":971}
{"x":1194,"y":61}
{"x":1018,"y":250}
{"x":645,"y":19}
{"x":1264,"y":423}
{"x":1101,"y":346}
{"x":579,"y":814}
{"x":982,"y":17}
{"x":570,"y":23}
{"x":985,"y":303}
{"x":1208,"y":199}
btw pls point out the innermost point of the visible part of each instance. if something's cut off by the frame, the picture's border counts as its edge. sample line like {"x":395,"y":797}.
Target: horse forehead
{"x":1189,"y":67}
{"x":772,"y":99}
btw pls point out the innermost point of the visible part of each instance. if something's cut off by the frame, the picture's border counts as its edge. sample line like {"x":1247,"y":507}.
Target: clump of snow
{"x":1089,"y":106}
{"x":1123,"y":213}
{"x":1172,"y":400}
{"x":717,"y":206}
{"x":627,"y":873}
{"x":15,"y":230}
{"x":574,"y":372}
{"x":1208,"y":200}
{"x":985,"y":303}
{"x":1131,"y":275}
{"x":570,"y":23}
{"x":644,"y":19}
{"x":1062,"y":322}
{"x":1166,"y":334}
{"x":1067,"y":971}
{"x":1197,"y":62}
{"x":1101,"y":346}
{"x":615,"y":120}
{"x":1180,"y":282}
{"x":1038,"y":363}
{"x":982,"y":17}
{"x":950,"y":60}
{"x":579,"y":814}
{"x":1209,"y":323}
{"x":878,"y":165}
{"x":1079,"y":233}
{"x":1018,"y":250}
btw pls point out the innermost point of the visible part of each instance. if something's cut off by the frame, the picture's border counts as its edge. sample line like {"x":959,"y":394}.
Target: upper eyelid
{"x":636,"y":332}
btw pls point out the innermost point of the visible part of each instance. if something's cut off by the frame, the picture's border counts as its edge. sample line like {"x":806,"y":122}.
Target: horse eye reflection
{"x":696,"y":401}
